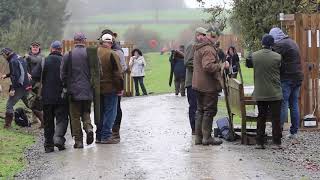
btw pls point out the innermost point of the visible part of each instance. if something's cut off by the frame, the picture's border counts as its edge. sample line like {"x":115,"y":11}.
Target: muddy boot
{"x":78,"y":145}
{"x":109,"y":141}
{"x":207,"y":130}
{"x":116,"y":133}
{"x":90,"y":137}
{"x":48,"y":149}
{"x":198,"y":129}
{"x":8,"y":120}
{"x":39,"y":115}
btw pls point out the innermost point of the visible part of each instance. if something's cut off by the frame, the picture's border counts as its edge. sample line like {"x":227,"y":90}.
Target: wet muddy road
{"x":156,"y":144}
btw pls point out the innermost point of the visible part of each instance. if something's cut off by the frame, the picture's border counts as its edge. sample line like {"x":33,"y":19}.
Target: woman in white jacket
{"x":137,"y":65}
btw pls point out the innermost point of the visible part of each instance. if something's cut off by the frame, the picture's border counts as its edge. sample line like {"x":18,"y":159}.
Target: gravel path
{"x":157,"y":144}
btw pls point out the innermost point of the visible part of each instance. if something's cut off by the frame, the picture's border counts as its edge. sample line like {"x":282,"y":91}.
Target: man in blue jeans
{"x":111,"y":85}
{"x":291,"y":76}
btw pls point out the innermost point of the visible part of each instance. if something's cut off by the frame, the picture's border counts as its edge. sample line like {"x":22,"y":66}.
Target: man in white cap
{"x":111,"y":83}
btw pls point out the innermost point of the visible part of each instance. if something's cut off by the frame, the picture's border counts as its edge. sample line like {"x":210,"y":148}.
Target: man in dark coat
{"x":291,"y":78}
{"x":191,"y":94}
{"x":75,"y":74}
{"x":179,"y":70}
{"x":54,"y":105}
{"x":20,"y":87}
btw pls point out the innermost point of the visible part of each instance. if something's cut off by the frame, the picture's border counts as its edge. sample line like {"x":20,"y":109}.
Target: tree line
{"x":25,"y":21}
{"x":250,"y":19}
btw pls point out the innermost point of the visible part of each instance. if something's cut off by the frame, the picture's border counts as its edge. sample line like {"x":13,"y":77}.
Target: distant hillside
{"x":168,"y":23}
{"x":83,"y":8}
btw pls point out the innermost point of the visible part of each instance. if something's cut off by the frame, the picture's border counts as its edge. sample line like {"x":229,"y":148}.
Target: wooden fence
{"x":305,"y":30}
{"x":128,"y":82}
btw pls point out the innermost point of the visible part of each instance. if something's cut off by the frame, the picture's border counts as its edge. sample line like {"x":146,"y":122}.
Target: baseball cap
{"x":201,"y":30}
{"x":79,"y":36}
{"x":107,"y":38}
{"x":6,"y":51}
{"x":56,"y":45}
{"x":106,"y":31}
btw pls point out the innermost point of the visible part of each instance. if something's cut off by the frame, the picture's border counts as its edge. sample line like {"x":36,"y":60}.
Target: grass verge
{"x":13,"y":143}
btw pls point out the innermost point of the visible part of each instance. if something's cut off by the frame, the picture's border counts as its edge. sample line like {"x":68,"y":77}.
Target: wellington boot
{"x":207,"y":130}
{"x":198,"y":129}
{"x":8,"y":120}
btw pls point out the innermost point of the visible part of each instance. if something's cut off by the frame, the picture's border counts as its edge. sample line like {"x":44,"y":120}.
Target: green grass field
{"x":184,"y":14}
{"x":13,"y":143}
{"x":166,"y":31}
{"x":158,"y":69}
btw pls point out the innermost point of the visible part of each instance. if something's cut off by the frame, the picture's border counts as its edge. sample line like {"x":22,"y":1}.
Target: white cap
{"x":107,"y":38}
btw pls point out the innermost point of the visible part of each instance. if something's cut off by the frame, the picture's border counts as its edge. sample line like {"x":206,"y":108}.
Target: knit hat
{"x":6,"y":51}
{"x":267,"y":40}
{"x":56,"y":45}
{"x":79,"y":36}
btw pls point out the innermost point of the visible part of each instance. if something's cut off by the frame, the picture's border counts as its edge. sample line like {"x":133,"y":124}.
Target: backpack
{"x":224,"y":129}
{"x":20,"y":118}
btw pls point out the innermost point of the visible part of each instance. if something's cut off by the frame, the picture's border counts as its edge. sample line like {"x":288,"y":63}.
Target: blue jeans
{"x":108,"y":110}
{"x":192,"y":99}
{"x":291,"y":91}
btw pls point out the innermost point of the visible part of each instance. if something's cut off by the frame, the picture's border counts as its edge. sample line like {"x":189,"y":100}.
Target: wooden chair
{"x":237,"y":103}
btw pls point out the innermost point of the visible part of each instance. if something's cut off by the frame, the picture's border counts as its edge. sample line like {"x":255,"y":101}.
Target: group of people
{"x":64,"y":88}
{"x":180,"y":70}
{"x":277,"y":79}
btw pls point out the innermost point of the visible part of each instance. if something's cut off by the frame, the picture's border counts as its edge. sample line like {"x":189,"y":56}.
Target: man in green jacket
{"x":267,"y":90}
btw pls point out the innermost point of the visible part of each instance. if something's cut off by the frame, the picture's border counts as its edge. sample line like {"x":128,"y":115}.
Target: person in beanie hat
{"x":267,"y":90}
{"x":76,"y":78}
{"x":20,"y":84}
{"x":55,"y":106}
{"x":291,"y":76}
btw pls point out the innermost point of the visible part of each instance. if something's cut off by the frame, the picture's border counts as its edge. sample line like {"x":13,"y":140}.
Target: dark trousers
{"x":137,"y":81}
{"x":266,"y":108}
{"x":80,"y":111}
{"x":117,"y":122}
{"x":179,"y":85}
{"x":55,"y":124}
{"x":192,"y":99}
{"x":207,"y":104}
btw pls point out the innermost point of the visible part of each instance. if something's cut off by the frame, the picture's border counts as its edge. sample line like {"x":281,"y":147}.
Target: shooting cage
{"x":127,"y":48}
{"x":305,"y":30}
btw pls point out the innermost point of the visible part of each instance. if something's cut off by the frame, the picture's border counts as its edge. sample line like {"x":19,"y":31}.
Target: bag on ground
{"x":224,"y":129}
{"x":20,"y":118}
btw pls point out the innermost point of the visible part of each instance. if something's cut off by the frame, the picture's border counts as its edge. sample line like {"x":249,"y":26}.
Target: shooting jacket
{"x":207,"y":71}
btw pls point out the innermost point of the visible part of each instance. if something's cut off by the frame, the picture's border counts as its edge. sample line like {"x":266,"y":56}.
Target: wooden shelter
{"x":305,"y":30}
{"x":128,"y":82}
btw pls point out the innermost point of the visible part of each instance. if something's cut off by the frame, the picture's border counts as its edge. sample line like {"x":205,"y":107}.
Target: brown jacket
{"x":207,"y":70}
{"x":111,"y":79}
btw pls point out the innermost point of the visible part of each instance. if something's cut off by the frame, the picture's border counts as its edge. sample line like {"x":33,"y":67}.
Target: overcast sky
{"x":195,"y":4}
